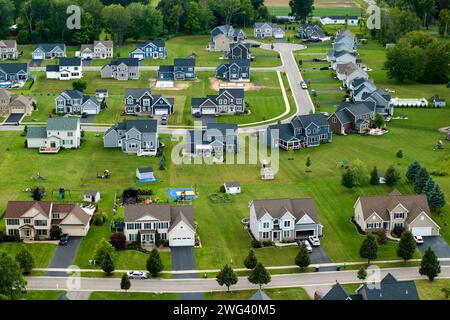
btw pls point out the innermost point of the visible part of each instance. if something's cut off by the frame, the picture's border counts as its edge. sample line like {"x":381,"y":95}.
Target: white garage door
{"x":90,"y":111}
{"x":160,"y":112}
{"x":180,"y":242}
{"x":422,"y":231}
{"x":208,"y":110}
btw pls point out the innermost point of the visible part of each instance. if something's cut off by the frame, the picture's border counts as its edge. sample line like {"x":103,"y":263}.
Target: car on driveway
{"x":315,"y":242}
{"x":418,"y":239}
{"x":308,"y":246}
{"x":164,"y":120}
{"x":303,"y":85}
{"x":137,"y":275}
{"x":64,"y":239}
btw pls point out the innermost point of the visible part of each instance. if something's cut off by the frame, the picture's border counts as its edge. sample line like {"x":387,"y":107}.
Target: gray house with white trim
{"x":45,"y":51}
{"x":235,"y":71}
{"x":121,"y":69}
{"x":228,"y":101}
{"x":140,"y":101}
{"x":76,"y":102}
{"x":263,"y":30}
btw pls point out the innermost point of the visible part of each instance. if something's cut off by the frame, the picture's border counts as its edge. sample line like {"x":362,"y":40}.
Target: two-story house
{"x":284,"y":219}
{"x":33,"y":219}
{"x":344,"y":37}
{"x":215,"y":140}
{"x":182,"y":69}
{"x":311,"y":32}
{"x":264,"y":30}
{"x":76,"y":102}
{"x":121,"y":69}
{"x":67,"y":69}
{"x":133,"y":136}
{"x":303,"y":131}
{"x":45,"y":51}
{"x":382,"y":101}
{"x":13,"y":75}
{"x":153,"y":49}
{"x":352,"y":117}
{"x":348,"y":72}
{"x":8,"y":50}
{"x":359,"y":86}
{"x":174,"y":224}
{"x":235,"y":71}
{"x":59,"y":133}
{"x":11,"y":103}
{"x":228,"y":101}
{"x":411,"y":212}
{"x":99,"y":50}
{"x":239,"y":51}
{"x":341,"y":57}
{"x":140,"y":101}
{"x":223,"y":36}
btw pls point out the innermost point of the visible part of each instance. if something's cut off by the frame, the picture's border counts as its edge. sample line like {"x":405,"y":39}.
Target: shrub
{"x":118,"y":240}
{"x":222,"y":189}
{"x":99,"y":219}
{"x":256,"y":244}
{"x":398,"y":231}
{"x":55,"y":232}
{"x":381,"y":237}
{"x":267,"y":243}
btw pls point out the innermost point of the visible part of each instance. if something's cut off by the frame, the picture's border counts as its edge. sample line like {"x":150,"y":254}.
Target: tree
{"x":421,"y":179}
{"x":413,"y":170}
{"x":103,"y":104}
{"x":437,"y":199}
{"x":392,"y":176}
{"x":55,"y":232}
{"x":308,"y":163}
{"x":108,"y":264}
{"x":444,"y":21}
{"x":399,"y":154}
{"x":227,"y":277}
{"x":154,"y":263}
{"x":369,"y":248}
{"x":7,"y":17}
{"x":12,"y":282}
{"x":116,"y":21}
{"x":79,"y":85}
{"x":429,"y":188}
{"x":404,"y":63}
{"x":102,"y":249}
{"x":362,"y":274}
{"x":251,"y":260}
{"x":301,"y":9}
{"x":349,"y":178}
{"x":37,"y":194}
{"x":406,"y":246}
{"x":302,"y":260}
{"x":25,"y":260}
{"x":429,"y":266}
{"x":374,"y":178}
{"x":118,"y":240}
{"x":378,"y":122}
{"x":137,"y":242}
{"x":125,"y":283}
{"x":259,"y":275}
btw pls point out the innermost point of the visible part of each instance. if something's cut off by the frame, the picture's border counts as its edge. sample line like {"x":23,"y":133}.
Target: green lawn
{"x":41,"y":295}
{"x":274,"y":294}
{"x":41,"y":252}
{"x":100,"y":295}
{"x":431,"y":290}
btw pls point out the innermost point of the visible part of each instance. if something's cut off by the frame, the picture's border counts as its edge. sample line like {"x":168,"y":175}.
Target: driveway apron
{"x":183,"y":258}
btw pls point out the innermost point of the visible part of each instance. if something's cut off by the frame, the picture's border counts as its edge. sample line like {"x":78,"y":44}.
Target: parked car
{"x":308,"y":246}
{"x":418,"y":239}
{"x":64,"y":239}
{"x":137,"y":275}
{"x":315,"y":242}
{"x":84,"y":115}
{"x":164,"y":120}
{"x":324,"y":68}
{"x":303,"y":85}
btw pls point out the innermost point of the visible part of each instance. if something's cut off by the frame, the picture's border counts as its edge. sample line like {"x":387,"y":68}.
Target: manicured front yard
{"x":432,"y":290}
{"x":41,"y":295}
{"x":41,"y":252}
{"x":274,"y":294}
{"x":101,"y":295}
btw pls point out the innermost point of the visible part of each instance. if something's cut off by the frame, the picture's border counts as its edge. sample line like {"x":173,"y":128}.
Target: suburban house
{"x":264,"y":30}
{"x":346,"y":38}
{"x":67,"y":69}
{"x":215,"y":140}
{"x":174,"y":224}
{"x":59,"y":133}
{"x":182,"y":69}
{"x":302,"y":132}
{"x":311,"y":32}
{"x":349,"y":20}
{"x":348,"y":72}
{"x":121,"y":69}
{"x":284,"y":219}
{"x":359,"y":86}
{"x":91,"y":196}
{"x":239,"y":51}
{"x":153,"y":49}
{"x":375,"y":213}
{"x":235,"y":71}
{"x":44,"y":51}
{"x":34,"y":219}
{"x":223,"y":36}
{"x":133,"y":136}
{"x":98,"y":50}
{"x":382,"y":101}
{"x":11,"y":103}
{"x":228,"y":101}
{"x":232,"y":187}
{"x":141,"y":101}
{"x":389,"y":288}
{"x":341,"y":57}
{"x":76,"y":102}
{"x":352,"y":117}
{"x":8,"y":50}
{"x":13,"y":74}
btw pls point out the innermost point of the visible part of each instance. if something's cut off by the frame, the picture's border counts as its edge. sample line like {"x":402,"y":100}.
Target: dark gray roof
{"x":165,"y":68}
{"x":260,"y":295}
{"x":145,"y":170}
{"x":62,"y":123}
{"x":52,"y":68}
{"x":340,"y":17}
{"x":232,"y":184}
{"x":343,"y":117}
{"x":69,"y":62}
{"x":184,"y":62}
{"x":338,"y":292}
{"x":236,"y":93}
{"x":47,"y":47}
{"x":37,"y":132}
{"x":240,"y":62}
{"x":142,"y":125}
{"x":285,"y":131}
{"x":91,"y":193}
{"x":131,"y":62}
{"x":260,"y":24}
{"x":390,"y":289}
{"x":136,"y":92}
{"x":358,"y":108}
{"x":13,"y":67}
{"x":157,"y":43}
{"x":278,"y":207}
{"x":74,"y":94}
{"x":318,"y":119}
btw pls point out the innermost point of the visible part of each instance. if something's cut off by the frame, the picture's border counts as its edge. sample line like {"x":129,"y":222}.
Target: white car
{"x":315,"y":242}
{"x":303,"y":85}
{"x":137,"y":275}
{"x":418,"y":239}
{"x":308,"y":246}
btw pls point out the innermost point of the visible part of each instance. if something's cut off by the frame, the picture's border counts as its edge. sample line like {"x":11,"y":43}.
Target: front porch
{"x":46,"y":149}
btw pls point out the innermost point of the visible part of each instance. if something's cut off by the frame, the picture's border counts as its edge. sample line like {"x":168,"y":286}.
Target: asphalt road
{"x":206,"y":285}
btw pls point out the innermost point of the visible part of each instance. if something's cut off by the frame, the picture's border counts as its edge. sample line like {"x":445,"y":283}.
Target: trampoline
{"x":177,"y":193}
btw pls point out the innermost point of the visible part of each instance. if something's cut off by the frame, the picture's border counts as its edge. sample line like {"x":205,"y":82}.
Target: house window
{"x":148,"y":226}
{"x":334,"y":120}
{"x":286,"y":234}
{"x":70,"y":134}
{"x":41,"y":232}
{"x":12,"y":222}
{"x":27,"y":221}
{"x":13,"y":232}
{"x":266,"y":225}
{"x":55,"y":216}
{"x":265,"y":235}
{"x":40,"y":223}
{"x":276,"y":222}
{"x":138,"y":226}
{"x":398,"y":215}
{"x":132,"y":237}
{"x":287,"y":224}
{"x":130,"y":226}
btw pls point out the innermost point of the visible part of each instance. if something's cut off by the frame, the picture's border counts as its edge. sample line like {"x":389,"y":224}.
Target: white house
{"x":284,"y":219}
{"x":232,"y":187}
{"x":91,"y":196}
{"x":174,"y":224}
{"x":67,"y":69}
{"x":351,"y":20}
{"x":59,"y":133}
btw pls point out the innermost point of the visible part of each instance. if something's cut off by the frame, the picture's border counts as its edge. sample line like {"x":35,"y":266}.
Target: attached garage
{"x":423,"y":225}
{"x":208,"y":110}
{"x":161,"y":111}
{"x":303,"y":234}
{"x":181,"y":234}
{"x":422,"y":231}
{"x":75,"y":230}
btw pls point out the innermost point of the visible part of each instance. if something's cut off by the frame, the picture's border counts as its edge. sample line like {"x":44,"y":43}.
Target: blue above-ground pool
{"x":176,"y":193}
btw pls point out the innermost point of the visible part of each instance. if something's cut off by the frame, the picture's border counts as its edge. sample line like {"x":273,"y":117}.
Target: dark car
{"x":197,"y":115}
{"x":64,"y":239}
{"x":164,"y":120}
{"x":324,"y":68}
{"x":84,"y":115}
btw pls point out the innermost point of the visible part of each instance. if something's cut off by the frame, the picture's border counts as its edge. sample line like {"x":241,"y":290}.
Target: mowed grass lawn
{"x":274,"y":294}
{"x":101,"y":295}
{"x":223,"y":237}
{"x":42,"y":252}
{"x":432,"y":290}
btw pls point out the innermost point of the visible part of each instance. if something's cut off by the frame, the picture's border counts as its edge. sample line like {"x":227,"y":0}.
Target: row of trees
{"x":357,"y":175}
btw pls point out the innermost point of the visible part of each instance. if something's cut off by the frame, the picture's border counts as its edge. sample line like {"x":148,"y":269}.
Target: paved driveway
{"x":89,"y":119}
{"x":64,"y":256}
{"x":437,"y":244}
{"x":14,"y":118}
{"x":319,"y":255}
{"x":207,"y":119}
{"x":35,"y":63}
{"x":183,"y":258}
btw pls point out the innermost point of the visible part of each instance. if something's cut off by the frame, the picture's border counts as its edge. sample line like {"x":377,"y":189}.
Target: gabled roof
{"x":337,"y":292}
{"x":72,"y":209}
{"x":156,"y":43}
{"x":339,"y":17}
{"x":142,"y":125}
{"x":278,"y":207}
{"x":236,"y":93}
{"x":184,"y":62}
{"x":304,"y":121}
{"x":47,"y":47}
{"x":285,"y":131}
{"x":63,"y":124}
{"x":8,"y":43}
{"x":260,"y":24}
{"x":73,"y":94}
{"x":357,"y":108}
{"x":166,"y":68}
{"x":36,"y":132}
{"x":131,"y":62}
{"x":13,"y":67}
{"x":106,"y":43}
{"x":15,"y":209}
{"x":136,"y":93}
{"x":52,"y":68}
{"x":390,"y":289}
{"x":260,"y":295}
{"x":145,"y":170}
{"x":379,"y":96}
{"x":232,"y":184}
{"x":183,"y":213}
{"x":70,"y":62}
{"x":240,"y":62}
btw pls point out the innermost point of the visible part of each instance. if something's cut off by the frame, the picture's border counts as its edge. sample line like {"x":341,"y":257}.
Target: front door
{"x":53,"y":144}
{"x":276,"y":236}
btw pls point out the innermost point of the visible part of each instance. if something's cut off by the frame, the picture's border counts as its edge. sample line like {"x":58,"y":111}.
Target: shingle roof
{"x":260,"y":295}
{"x":240,"y":62}
{"x":157,"y":43}
{"x":47,"y":47}
{"x":236,"y":93}
{"x":70,"y":62}
{"x":142,"y":125}
{"x":15,"y":209}
{"x":106,"y":43}
{"x":165,"y":68}
{"x":13,"y":67}
{"x":390,"y":289}
{"x":232,"y":184}
{"x":184,"y":62}
{"x":131,"y":62}
{"x":278,"y":207}
{"x":337,"y":292}
{"x":145,"y":170}
{"x":8,"y":43}
{"x":62,"y":124}
{"x":358,"y":108}
{"x":136,"y":92}
{"x":318,"y":119}
{"x":52,"y":68}
{"x":37,"y":132}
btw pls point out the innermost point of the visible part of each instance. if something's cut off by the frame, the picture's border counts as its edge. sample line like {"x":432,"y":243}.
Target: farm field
{"x":223,"y":237}
{"x":321,"y":7}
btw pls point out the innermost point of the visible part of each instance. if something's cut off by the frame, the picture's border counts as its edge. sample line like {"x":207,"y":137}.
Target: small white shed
{"x":91,"y":196}
{"x":145,"y":174}
{"x":232,"y":187}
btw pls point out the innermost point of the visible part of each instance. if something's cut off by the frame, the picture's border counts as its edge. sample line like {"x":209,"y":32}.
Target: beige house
{"x":15,"y":103}
{"x":31,"y":219}
{"x":8,"y":50}
{"x":411,"y":212}
{"x":99,"y":50}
